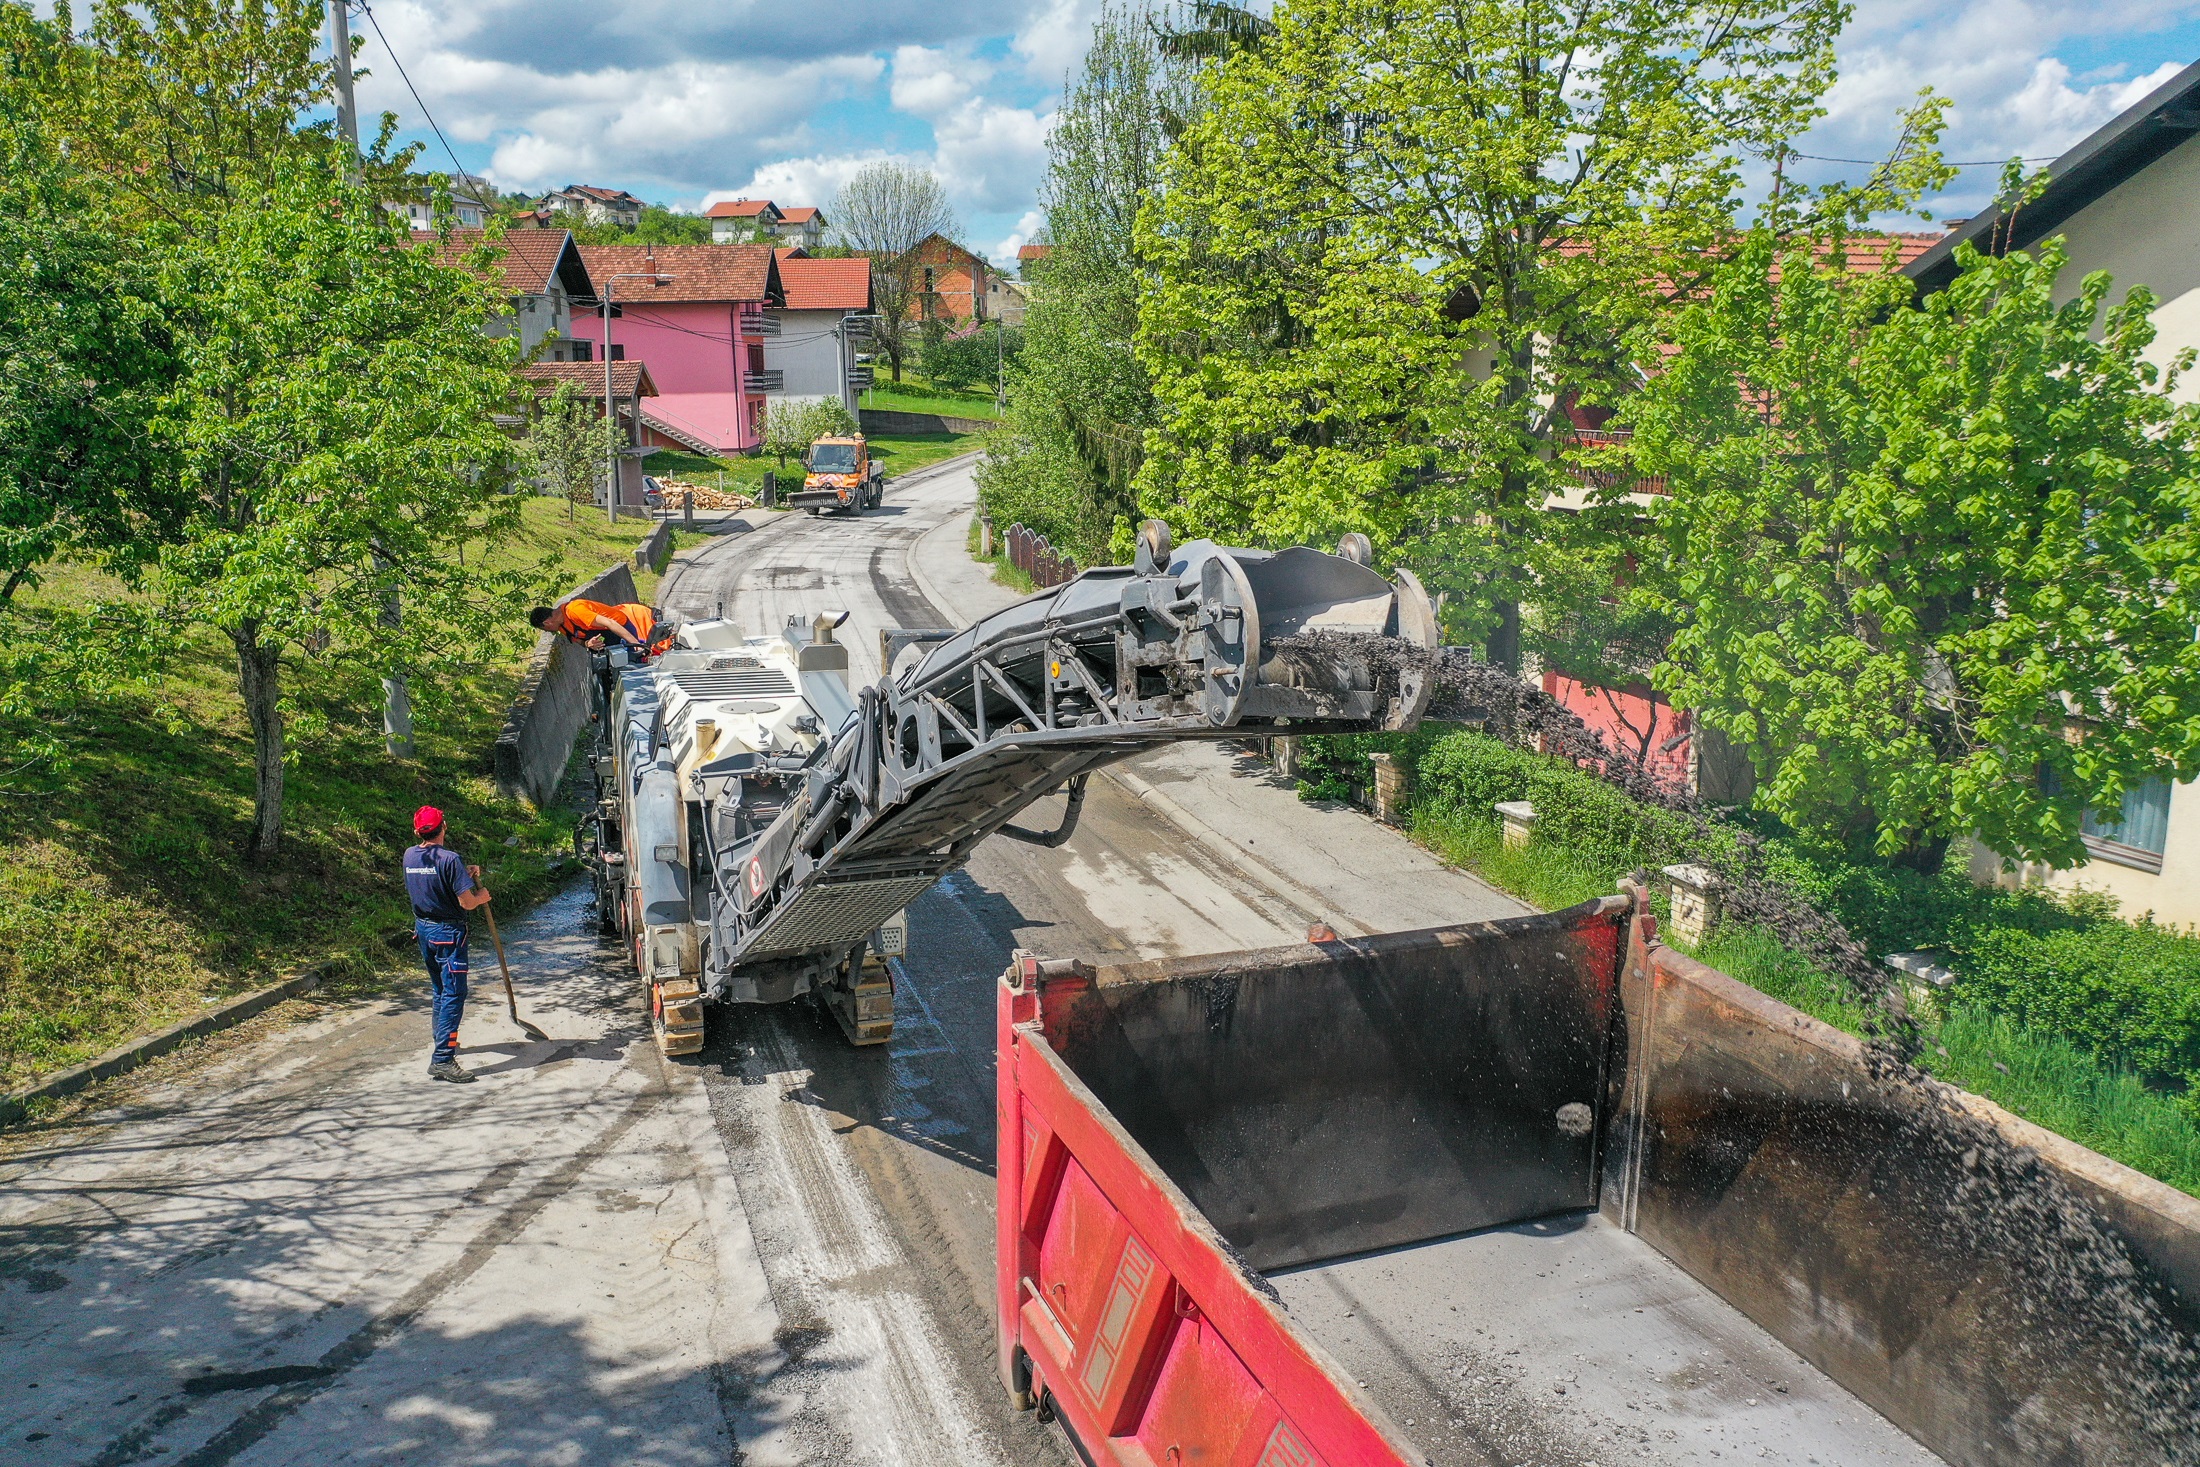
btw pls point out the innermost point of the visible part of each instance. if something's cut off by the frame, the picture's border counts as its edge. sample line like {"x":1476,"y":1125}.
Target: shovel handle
{"x":503,"y":967}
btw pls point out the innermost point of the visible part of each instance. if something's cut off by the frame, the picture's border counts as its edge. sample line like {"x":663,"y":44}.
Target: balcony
{"x":757,"y":328}
{"x":771,"y":379}
{"x":859,"y":377}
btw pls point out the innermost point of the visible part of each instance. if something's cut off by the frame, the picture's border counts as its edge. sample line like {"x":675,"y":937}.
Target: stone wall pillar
{"x":1519,"y":818}
{"x":1390,"y":788}
{"x":1695,"y":903}
{"x":1285,"y":751}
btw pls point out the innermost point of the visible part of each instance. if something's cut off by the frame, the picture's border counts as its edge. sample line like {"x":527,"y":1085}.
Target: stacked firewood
{"x":678,"y":492}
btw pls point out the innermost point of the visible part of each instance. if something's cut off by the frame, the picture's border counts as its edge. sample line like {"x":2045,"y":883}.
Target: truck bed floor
{"x":1565,"y":1342}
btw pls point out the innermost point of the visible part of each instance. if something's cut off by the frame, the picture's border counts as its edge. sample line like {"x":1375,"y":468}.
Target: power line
{"x":423,"y":106}
{"x":1875,"y":162}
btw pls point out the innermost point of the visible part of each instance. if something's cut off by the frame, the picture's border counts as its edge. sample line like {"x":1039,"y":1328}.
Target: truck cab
{"x":839,"y":475}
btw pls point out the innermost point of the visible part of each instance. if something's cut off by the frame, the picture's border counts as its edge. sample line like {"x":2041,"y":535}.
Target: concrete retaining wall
{"x":2003,"y":1295}
{"x":877,"y":420}
{"x":655,"y":549}
{"x":552,"y":704}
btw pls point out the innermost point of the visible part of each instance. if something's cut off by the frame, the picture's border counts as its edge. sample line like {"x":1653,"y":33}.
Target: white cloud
{"x":2010,"y":94}
{"x":931,"y":81}
{"x":812,"y":180}
{"x":1053,"y":38}
{"x":1004,"y":253}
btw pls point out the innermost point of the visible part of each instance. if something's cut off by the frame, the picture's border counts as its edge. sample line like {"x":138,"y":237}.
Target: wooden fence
{"x":1030,"y":553}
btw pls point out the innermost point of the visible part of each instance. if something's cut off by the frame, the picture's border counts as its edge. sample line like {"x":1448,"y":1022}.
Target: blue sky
{"x":684,"y":101}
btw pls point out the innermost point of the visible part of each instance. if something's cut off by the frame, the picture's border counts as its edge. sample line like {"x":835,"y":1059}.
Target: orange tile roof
{"x":1033,"y":251}
{"x":799,"y":214}
{"x":530,"y":255}
{"x":587,"y":378}
{"x":700,"y":272}
{"x":826,"y":285}
{"x":738,"y":208}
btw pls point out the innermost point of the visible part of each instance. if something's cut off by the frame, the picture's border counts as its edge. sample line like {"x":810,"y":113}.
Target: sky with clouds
{"x":688,"y":101}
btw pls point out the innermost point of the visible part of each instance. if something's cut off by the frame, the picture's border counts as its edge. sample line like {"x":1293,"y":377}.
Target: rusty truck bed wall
{"x":2004,"y":1296}
{"x":1366,"y":1094}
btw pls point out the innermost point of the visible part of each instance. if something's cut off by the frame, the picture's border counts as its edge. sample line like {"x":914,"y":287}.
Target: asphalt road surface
{"x":290,"y":1248}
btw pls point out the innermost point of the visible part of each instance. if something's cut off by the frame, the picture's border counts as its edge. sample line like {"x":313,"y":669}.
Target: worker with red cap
{"x":443,"y":890}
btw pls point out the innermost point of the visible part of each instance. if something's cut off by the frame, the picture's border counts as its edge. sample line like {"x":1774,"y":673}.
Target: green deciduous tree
{"x":85,"y":348}
{"x":1401,"y":235}
{"x":333,"y":420}
{"x":885,"y":211}
{"x":1937,"y":564}
{"x":183,"y":106}
{"x":567,"y":446}
{"x":1080,"y":403}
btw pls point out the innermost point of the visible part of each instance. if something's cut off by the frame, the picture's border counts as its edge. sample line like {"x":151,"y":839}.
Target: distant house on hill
{"x":814,"y":352}
{"x":546,"y":282}
{"x":739,"y":221}
{"x":702,"y":333}
{"x":2122,"y":200}
{"x":473,"y":200}
{"x":596,"y":205}
{"x":801,"y":225}
{"x":1030,"y":255}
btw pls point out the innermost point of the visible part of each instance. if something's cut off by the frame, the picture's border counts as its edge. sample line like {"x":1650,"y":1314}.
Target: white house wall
{"x":812,"y":356}
{"x":2146,"y":231}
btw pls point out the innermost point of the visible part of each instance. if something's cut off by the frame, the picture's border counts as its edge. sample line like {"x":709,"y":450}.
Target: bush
{"x":961,"y":362}
{"x":2130,"y":994}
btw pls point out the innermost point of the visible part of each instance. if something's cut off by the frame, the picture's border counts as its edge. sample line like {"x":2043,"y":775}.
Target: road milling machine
{"x":761,"y":821}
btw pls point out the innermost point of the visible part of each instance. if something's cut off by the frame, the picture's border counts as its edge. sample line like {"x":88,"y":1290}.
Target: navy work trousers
{"x":443,"y":949}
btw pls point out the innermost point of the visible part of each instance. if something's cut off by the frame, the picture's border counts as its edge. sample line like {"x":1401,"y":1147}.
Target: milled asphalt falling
{"x":291,"y":1248}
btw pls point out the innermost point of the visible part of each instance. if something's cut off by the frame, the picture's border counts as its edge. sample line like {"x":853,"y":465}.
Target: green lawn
{"x":124,"y":901}
{"x":914,"y":395}
{"x":899,"y":452}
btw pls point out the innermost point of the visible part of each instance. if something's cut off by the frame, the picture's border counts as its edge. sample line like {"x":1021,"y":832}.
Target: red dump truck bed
{"x":1463,"y":1196}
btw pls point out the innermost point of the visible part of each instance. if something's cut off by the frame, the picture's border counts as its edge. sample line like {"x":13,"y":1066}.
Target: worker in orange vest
{"x":596,"y":623}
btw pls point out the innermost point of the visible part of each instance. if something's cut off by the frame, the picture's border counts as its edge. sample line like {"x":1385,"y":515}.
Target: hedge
{"x":2129,"y":994}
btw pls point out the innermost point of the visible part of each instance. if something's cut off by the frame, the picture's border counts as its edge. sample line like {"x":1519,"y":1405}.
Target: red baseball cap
{"x":427,"y":820}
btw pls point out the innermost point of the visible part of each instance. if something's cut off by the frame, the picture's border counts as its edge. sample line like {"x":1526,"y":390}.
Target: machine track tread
{"x":864,"y":1012}
{"x":676,"y":1016}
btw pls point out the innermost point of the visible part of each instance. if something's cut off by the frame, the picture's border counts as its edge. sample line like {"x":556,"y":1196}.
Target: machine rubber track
{"x":676,"y":1016}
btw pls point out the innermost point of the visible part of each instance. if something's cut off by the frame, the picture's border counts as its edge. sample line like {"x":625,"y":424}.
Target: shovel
{"x":510,"y":997}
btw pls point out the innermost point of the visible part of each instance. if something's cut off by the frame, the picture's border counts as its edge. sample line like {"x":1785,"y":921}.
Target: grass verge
{"x":915,"y":395}
{"x":1004,"y":573}
{"x":2037,"y":1075}
{"x":125,"y":902}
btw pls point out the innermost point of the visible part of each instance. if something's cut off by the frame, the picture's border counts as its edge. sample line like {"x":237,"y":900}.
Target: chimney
{"x":1952,"y":225}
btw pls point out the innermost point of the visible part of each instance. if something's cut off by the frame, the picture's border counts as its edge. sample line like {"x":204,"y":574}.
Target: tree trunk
{"x":1503,"y":647}
{"x":259,"y":679}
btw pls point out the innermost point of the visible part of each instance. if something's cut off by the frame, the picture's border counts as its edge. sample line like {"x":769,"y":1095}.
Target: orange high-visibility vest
{"x":577,"y":618}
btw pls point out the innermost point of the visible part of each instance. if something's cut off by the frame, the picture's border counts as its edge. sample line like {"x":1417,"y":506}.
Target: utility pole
{"x":347,"y":107}
{"x":610,"y":404}
{"x":397,"y":721}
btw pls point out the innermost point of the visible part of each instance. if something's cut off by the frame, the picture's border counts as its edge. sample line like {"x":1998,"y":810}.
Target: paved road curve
{"x":295,"y":1251}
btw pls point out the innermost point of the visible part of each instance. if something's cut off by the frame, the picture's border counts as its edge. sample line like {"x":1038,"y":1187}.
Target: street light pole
{"x":610,"y":404}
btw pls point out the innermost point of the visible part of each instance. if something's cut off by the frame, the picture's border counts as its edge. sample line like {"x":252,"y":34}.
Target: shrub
{"x":965,"y":361}
{"x":2130,"y":994}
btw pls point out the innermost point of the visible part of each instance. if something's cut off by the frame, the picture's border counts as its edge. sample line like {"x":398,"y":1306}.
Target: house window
{"x":584,"y":351}
{"x":618,"y":353}
{"x":2140,"y":831}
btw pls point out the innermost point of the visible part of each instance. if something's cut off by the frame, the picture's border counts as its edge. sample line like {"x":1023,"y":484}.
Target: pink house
{"x":701,"y":333}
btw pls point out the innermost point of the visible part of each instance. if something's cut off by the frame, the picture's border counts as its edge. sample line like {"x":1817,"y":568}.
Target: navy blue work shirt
{"x":434,"y":876}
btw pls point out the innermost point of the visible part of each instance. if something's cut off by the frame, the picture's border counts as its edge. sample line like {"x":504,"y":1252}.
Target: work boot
{"x":449,"y":1070}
